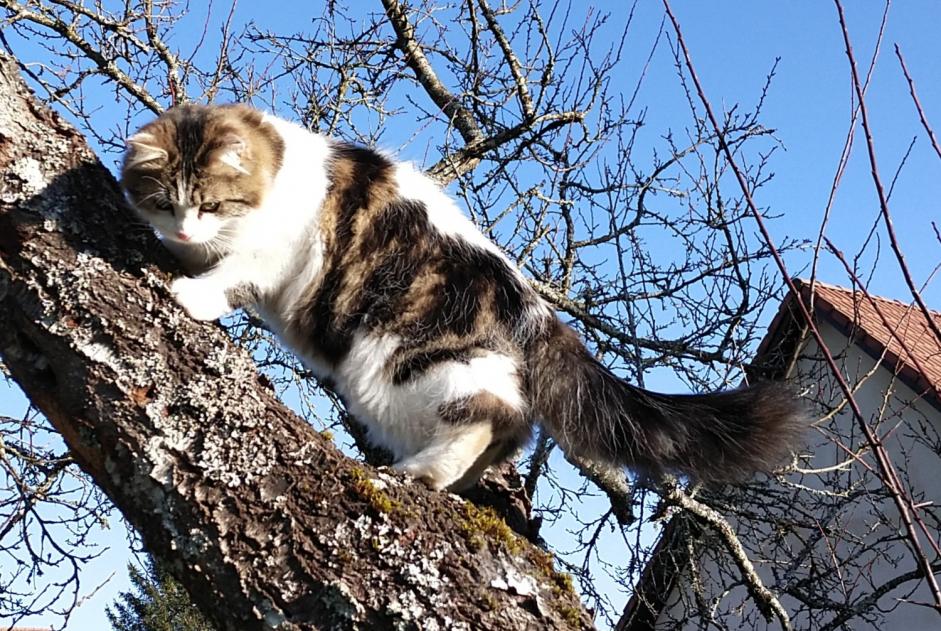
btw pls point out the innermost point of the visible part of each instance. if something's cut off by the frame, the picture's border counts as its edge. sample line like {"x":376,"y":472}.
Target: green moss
{"x":489,"y":602}
{"x":483,"y":525}
{"x":546,"y":564}
{"x":327,"y":434}
{"x":572,"y":615}
{"x":561,"y":582}
{"x":364,"y":487}
{"x":563,"y":588}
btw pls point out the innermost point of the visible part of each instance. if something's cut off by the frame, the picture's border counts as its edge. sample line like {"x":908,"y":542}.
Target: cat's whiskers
{"x":218,"y":245}
{"x":160,"y":185}
{"x":152,"y":195}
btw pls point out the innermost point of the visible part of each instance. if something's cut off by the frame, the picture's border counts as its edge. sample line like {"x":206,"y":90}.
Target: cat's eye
{"x":209,"y":207}
{"x":164,"y":204}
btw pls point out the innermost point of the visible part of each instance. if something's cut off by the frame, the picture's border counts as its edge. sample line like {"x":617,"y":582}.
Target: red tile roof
{"x":889,"y":329}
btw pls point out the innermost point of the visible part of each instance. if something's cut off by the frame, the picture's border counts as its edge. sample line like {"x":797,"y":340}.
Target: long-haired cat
{"x":431,"y":336}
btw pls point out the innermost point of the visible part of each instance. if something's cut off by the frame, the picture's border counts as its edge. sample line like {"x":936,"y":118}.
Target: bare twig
{"x":918,"y":107}
{"x":106,"y":66}
{"x":767,"y":602}
{"x":415,"y":57}
{"x":883,"y":201}
{"x":522,"y":87}
{"x":177,"y":90}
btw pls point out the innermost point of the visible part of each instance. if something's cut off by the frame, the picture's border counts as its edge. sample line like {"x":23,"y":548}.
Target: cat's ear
{"x":142,"y":148}
{"x":232,"y":152}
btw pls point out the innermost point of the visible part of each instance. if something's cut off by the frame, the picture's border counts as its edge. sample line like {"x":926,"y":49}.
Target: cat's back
{"x":402,"y":268}
{"x":302,"y":181}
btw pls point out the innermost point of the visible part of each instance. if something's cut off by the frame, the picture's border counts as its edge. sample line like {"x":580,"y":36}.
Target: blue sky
{"x":734,"y":45}
{"x":810,"y":107}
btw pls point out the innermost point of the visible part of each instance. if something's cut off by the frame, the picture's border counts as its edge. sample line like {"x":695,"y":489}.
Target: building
{"x":825,"y":537}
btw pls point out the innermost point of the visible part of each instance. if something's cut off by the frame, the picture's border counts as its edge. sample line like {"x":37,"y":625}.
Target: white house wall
{"x":854,"y":547}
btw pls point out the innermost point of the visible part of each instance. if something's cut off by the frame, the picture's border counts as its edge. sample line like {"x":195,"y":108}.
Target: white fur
{"x":449,"y":455}
{"x":446,"y":217}
{"x":496,"y":374}
{"x":198,"y":229}
{"x":143,"y":151}
{"x":234,"y":160}
{"x":299,"y":191}
{"x":200,"y":304}
{"x":443,"y":213}
{"x":404,"y":418}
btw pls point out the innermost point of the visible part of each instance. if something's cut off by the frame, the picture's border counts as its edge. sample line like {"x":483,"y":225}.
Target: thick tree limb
{"x":262,"y":519}
{"x":415,"y":57}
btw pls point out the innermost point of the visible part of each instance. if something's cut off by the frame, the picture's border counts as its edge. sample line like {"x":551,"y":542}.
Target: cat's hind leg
{"x":474,"y":432}
{"x":500,"y":449}
{"x":450,"y":454}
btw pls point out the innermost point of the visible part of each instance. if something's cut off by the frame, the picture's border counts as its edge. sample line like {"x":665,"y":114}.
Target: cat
{"x":432,"y":337}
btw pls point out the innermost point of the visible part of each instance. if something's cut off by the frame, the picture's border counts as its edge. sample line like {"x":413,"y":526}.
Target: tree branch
{"x":767,"y":602}
{"x":880,"y":191}
{"x":522,"y":88}
{"x":888,"y":474}
{"x":415,"y":57}
{"x":68,"y":32}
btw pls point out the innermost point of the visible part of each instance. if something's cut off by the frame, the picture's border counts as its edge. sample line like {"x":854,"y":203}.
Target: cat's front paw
{"x":201,"y":299}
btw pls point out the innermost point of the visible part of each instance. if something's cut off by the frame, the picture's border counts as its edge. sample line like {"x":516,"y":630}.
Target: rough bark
{"x":260,"y":517}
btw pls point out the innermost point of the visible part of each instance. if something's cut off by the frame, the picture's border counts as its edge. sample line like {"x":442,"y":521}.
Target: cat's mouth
{"x":202,"y":232}
{"x":188,"y":238}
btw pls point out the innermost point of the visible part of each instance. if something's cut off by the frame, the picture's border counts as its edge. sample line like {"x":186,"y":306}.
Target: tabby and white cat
{"x":428,"y":332}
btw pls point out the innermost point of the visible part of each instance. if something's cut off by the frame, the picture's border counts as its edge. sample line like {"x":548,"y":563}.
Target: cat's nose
{"x":182,"y":236}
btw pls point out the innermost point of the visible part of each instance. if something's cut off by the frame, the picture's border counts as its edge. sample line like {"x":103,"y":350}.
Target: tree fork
{"x":260,"y":517}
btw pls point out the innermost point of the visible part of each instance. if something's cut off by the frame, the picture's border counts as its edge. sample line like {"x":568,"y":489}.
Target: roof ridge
{"x":892,"y":331}
{"x":852,"y":291}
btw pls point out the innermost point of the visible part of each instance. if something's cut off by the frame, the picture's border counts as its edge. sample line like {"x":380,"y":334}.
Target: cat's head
{"x":196,"y":170}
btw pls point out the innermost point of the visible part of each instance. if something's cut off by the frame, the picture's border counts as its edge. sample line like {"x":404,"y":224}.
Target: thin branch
{"x":880,"y":191}
{"x":613,"y":481}
{"x":522,"y":88}
{"x":464,"y":160}
{"x":170,"y":60}
{"x":106,"y":66}
{"x":918,"y":107}
{"x":767,"y":602}
{"x":678,"y":347}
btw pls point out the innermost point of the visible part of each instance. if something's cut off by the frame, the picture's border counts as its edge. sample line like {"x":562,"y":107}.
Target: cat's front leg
{"x":206,"y":297}
{"x":236,"y":280}
{"x":203,"y":297}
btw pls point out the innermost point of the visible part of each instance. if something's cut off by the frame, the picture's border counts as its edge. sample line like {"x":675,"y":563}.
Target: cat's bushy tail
{"x":725,"y":436}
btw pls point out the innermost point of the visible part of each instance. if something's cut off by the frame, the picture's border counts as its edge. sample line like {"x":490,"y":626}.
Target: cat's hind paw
{"x":200,"y":298}
{"x":431,"y":476}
